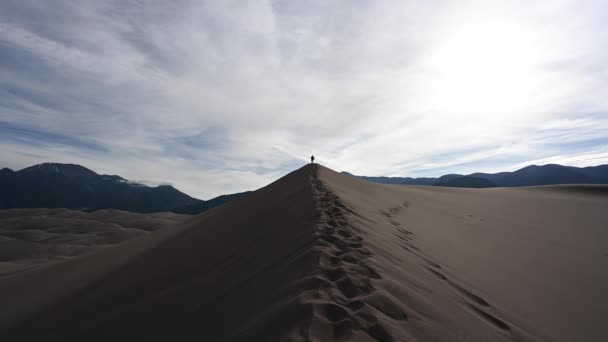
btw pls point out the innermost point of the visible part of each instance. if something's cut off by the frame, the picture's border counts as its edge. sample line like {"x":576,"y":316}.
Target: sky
{"x":217,"y":97}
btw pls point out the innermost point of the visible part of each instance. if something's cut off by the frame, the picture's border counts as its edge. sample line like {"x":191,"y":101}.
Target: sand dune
{"x":319,"y":256}
{"x":30,"y":237}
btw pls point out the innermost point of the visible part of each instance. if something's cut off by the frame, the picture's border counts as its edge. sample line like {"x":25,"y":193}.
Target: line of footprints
{"x":347,"y":297}
{"x":473,"y":301}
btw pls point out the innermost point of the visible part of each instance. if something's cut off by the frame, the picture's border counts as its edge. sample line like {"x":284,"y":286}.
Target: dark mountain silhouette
{"x":445,"y":179}
{"x":466,"y":182}
{"x":206,"y":205}
{"x":396,"y":180}
{"x":596,"y":172}
{"x":54,"y":185}
{"x":532,"y":175}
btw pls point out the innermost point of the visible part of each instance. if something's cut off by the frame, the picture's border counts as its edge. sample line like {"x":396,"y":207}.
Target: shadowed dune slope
{"x":319,"y":256}
{"x":232,"y":271}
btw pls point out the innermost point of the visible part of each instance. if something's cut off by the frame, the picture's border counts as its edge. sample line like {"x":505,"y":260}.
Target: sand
{"x":32,"y":237}
{"x":319,"y":256}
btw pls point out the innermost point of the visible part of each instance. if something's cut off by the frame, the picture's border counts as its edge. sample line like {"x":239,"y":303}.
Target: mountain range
{"x":55,"y":185}
{"x":532,"y":175}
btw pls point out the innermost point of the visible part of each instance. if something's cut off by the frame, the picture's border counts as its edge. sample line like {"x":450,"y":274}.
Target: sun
{"x":484,"y":68}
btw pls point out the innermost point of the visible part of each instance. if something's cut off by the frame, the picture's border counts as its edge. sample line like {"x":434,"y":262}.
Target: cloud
{"x":216,"y":97}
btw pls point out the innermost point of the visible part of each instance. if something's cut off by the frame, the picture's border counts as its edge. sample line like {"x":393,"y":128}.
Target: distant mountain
{"x":54,"y":185}
{"x":466,"y":182}
{"x":528,"y":176}
{"x":396,"y":180}
{"x":597,"y":172}
{"x":210,"y":204}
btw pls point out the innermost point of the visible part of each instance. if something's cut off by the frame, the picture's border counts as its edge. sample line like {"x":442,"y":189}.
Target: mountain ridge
{"x":532,"y":175}
{"x":72,"y":186}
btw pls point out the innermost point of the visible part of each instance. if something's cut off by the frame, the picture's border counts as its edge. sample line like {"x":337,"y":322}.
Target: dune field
{"x":321,"y":256}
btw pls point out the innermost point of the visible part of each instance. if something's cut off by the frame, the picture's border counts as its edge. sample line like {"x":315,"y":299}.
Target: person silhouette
{"x":312,"y":159}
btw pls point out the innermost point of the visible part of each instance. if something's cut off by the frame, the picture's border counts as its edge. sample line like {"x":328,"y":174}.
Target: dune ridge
{"x":343,"y":271}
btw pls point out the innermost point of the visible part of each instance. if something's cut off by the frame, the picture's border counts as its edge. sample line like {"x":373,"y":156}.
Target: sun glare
{"x":479,"y":69}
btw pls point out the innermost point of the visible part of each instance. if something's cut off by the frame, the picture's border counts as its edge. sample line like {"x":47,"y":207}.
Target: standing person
{"x":312,"y":159}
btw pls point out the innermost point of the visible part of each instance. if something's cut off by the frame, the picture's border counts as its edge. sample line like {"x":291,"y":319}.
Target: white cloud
{"x":391,"y":87}
{"x":594,"y":157}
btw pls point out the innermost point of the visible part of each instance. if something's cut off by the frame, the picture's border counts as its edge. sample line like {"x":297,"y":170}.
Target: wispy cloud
{"x":223,"y":96}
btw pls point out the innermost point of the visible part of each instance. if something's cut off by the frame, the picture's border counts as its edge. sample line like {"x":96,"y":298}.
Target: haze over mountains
{"x":55,"y":185}
{"x":533,"y":175}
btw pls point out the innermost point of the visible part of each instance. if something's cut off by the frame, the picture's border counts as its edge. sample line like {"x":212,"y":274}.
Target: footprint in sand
{"x":470,"y":295}
{"x":346,"y":278}
{"x":489,"y":318}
